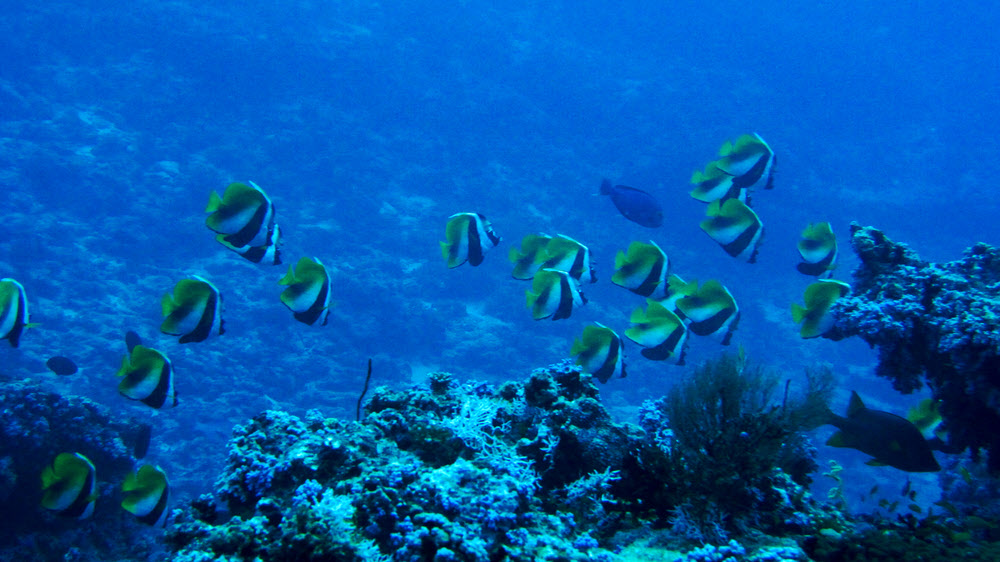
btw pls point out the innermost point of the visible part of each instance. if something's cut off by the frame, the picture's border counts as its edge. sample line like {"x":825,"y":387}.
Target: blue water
{"x":370,"y":123}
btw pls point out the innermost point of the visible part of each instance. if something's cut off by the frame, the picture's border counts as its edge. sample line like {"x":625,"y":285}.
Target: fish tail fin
{"x":446,"y":252}
{"x":605,"y":186}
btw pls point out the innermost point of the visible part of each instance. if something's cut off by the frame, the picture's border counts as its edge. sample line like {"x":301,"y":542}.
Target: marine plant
{"x":723,"y":452}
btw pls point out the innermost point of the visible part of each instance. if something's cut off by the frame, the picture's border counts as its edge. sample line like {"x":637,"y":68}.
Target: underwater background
{"x":369,"y":124}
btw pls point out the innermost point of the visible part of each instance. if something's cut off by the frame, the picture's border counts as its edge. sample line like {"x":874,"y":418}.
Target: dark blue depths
{"x":369,"y":124}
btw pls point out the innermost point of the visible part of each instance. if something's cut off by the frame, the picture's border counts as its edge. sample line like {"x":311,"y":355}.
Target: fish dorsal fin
{"x":562,"y":245}
{"x":855,"y":405}
{"x":289,"y":277}
{"x":679,"y":286}
{"x":214,"y":202}
{"x":714,"y":209}
{"x":706,"y":301}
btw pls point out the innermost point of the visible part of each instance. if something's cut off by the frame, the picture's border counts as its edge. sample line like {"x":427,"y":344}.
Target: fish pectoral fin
{"x":875,"y":462}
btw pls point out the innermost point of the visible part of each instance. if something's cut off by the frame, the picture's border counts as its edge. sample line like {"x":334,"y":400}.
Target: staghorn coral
{"x":937,"y":324}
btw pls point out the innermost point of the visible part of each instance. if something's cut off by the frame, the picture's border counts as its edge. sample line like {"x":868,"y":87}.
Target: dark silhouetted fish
{"x":61,"y":365}
{"x":634,"y":204}
{"x":132,"y":339}
{"x":142,"y":441}
{"x":892,"y":440}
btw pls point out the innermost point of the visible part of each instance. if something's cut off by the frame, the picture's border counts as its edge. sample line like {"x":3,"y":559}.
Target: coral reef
{"x":447,"y":472}
{"x":935,"y":324}
{"x":35,"y":426}
{"x":524,"y":471}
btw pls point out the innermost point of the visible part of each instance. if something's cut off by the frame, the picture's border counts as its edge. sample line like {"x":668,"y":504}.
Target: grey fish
{"x":892,"y":440}
{"x":634,"y":204}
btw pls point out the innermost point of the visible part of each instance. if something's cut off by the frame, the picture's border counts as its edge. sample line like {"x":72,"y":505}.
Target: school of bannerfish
{"x":558,"y":266}
{"x":243,"y":219}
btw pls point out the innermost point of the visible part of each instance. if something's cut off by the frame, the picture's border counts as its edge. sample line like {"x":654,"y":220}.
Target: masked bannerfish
{"x":599,"y":352}
{"x":468,"y":237}
{"x":815,"y":315}
{"x":634,"y":204}
{"x":13,"y":311}
{"x":553,"y":294}
{"x":818,"y":248}
{"x":735,"y":227}
{"x":529,"y":257}
{"x":269,"y":253}
{"x":69,"y":486}
{"x":146,"y":494}
{"x":711,"y":311}
{"x":715,"y":185}
{"x":308,"y":291}
{"x":562,"y":253}
{"x":892,"y":440}
{"x":661,"y":333}
{"x":193,"y":311}
{"x":147,"y":376}
{"x":243,"y":216}
{"x":749,"y":160}
{"x":677,"y":289}
{"x":142,"y":440}
{"x":642,"y":269}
